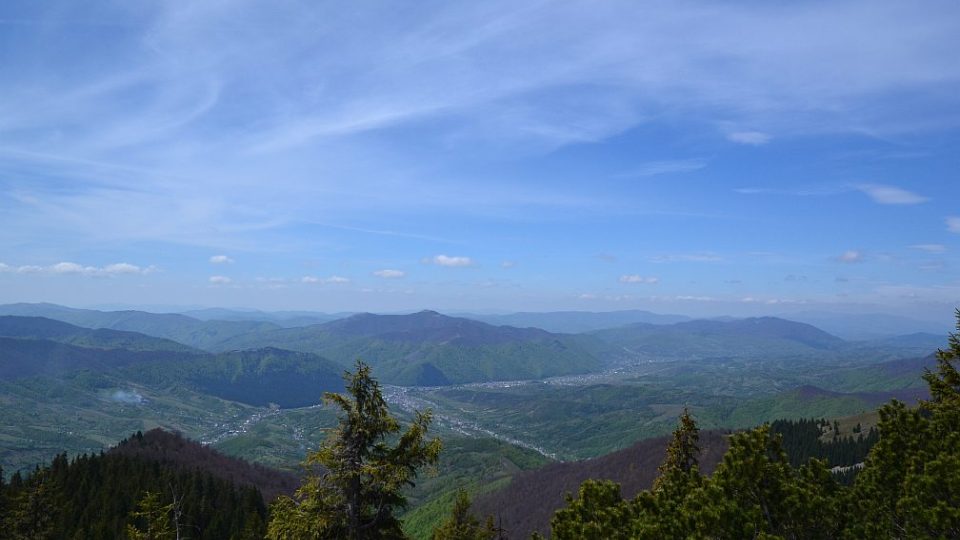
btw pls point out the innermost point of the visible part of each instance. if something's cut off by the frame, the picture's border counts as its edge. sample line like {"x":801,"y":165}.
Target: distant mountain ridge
{"x":35,"y":346}
{"x":59,"y":331}
{"x":751,"y":337}
{"x":429,"y":349}
{"x":206,"y":335}
{"x":573,"y":322}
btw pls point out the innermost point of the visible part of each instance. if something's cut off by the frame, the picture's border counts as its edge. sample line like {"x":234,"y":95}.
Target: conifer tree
{"x":462,"y":525}
{"x":683,"y":453}
{"x":156,"y":516}
{"x":355,"y":479}
{"x":32,"y":511}
{"x":910,"y":485}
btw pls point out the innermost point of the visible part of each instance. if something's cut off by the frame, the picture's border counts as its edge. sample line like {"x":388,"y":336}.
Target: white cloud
{"x":508,"y":264}
{"x":5,"y":268}
{"x":331,"y":279}
{"x":930,"y":248}
{"x":850,"y":256}
{"x":953,"y":224}
{"x":890,"y":194}
{"x":221,"y":259}
{"x":220,"y":280}
{"x":634,"y":278}
{"x":655,"y":168}
{"x":389,"y":273}
{"x":587,"y":296}
{"x":72,"y":268}
{"x":125,"y":268}
{"x":753,"y":138}
{"x":446,"y":260}
{"x":687,"y":257}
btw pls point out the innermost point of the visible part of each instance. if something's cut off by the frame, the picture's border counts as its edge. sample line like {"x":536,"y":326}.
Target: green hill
{"x":206,"y":335}
{"x":429,"y":349}
{"x":101,"y":338}
{"x":703,"y":339}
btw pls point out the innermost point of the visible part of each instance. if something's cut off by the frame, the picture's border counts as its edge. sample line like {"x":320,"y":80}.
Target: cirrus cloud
{"x":635,"y":278}
{"x":752,"y":138}
{"x":389,"y":273}
{"x":221,"y":259}
{"x":953,"y":224}
{"x":850,"y":256}
{"x":881,"y":194}
{"x":331,"y":279}
{"x":72,"y":268}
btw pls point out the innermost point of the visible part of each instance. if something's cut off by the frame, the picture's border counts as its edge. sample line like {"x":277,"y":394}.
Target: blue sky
{"x":694,"y":157}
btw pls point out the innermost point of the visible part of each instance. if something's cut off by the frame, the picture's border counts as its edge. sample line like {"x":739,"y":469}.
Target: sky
{"x":686,"y":157}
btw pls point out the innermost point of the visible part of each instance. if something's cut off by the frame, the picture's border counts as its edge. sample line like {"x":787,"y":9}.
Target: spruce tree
{"x":462,"y":525}
{"x":355,"y":480}
{"x":153,"y":518}
{"x":910,"y":486}
{"x":683,"y":453}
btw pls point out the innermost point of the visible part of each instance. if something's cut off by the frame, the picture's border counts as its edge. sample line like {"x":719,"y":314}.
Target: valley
{"x":79,"y":390}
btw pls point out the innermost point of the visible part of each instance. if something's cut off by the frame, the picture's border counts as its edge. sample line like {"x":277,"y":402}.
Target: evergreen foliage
{"x":156,"y":517}
{"x":802,"y":440}
{"x":355,"y":480}
{"x":909,"y":486}
{"x":462,"y":525}
{"x":96,"y":497}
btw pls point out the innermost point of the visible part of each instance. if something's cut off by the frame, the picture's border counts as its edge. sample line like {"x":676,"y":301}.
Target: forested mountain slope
{"x":430,"y":349}
{"x":207,"y":335}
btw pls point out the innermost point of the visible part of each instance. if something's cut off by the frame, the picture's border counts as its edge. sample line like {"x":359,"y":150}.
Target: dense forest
{"x":909,"y":486}
{"x":116,"y":495}
{"x":774,"y":481}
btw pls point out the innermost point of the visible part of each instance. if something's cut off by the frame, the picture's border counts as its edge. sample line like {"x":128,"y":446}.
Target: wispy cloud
{"x":850,"y":256}
{"x":331,"y":279}
{"x":636,"y":278}
{"x":752,"y":138}
{"x":220,"y":280}
{"x":953,"y":224}
{"x":687,"y":257}
{"x":389,"y":273}
{"x":450,"y":261}
{"x":221,"y":259}
{"x":930,"y":248}
{"x":72,"y":268}
{"x":814,"y":191}
{"x":655,"y":168}
{"x":890,"y":194}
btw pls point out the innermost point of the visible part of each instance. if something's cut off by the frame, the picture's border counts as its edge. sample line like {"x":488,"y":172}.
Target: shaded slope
{"x":20,"y":357}
{"x":168,"y":448}
{"x":254,"y":377}
{"x":530,"y":500}
{"x":53,"y":330}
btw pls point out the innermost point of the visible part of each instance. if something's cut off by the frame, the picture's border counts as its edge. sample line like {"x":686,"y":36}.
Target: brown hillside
{"x":530,"y":500}
{"x":174,"y":449}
